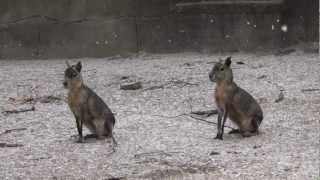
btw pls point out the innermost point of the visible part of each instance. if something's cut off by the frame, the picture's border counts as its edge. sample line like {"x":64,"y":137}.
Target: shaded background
{"x":100,"y":28}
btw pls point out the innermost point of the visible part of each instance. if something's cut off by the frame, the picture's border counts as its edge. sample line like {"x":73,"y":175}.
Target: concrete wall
{"x":303,"y":19}
{"x":99,"y":28}
{"x":66,"y":28}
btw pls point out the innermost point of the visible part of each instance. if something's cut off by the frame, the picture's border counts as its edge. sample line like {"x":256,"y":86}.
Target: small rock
{"x":262,"y":77}
{"x":131,"y":86}
{"x":124,"y":77}
{"x":240,"y":62}
{"x":256,"y":146}
{"x":286,"y":169}
{"x":113,"y":178}
{"x":187,"y":64}
{"x":214,"y":153}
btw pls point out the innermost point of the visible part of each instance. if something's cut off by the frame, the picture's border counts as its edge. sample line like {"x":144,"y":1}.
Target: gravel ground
{"x":155,"y":139}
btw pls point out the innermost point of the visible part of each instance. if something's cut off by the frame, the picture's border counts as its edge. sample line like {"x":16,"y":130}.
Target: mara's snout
{"x":211,"y":77}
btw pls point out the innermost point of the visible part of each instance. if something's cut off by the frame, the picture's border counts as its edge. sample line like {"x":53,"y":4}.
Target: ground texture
{"x":156,"y":135}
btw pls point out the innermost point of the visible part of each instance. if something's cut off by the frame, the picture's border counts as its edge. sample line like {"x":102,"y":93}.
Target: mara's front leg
{"x":219,"y":133}
{"x":79,"y":128}
{"x":225,"y":115}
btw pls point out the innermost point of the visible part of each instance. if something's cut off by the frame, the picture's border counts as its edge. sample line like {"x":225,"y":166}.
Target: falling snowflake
{"x":284,"y":28}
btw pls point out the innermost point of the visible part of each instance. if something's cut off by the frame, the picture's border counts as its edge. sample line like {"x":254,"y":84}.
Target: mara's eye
{"x":70,"y":73}
{"x":221,"y":69}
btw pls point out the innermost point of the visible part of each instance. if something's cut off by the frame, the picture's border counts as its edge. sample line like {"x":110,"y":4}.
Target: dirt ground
{"x":157,"y":137}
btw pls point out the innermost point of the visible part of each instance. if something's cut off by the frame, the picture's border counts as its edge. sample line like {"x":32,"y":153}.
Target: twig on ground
{"x":49,"y":99}
{"x":154,"y":153}
{"x":154,"y":87}
{"x":193,"y":117}
{"x":19,"y":110}
{"x":4,"y":145}
{"x":11,"y":130}
{"x":44,"y":99}
{"x":178,"y":83}
{"x":209,"y":122}
{"x":23,"y":100}
{"x":206,"y":113}
{"x":182,"y":83}
{"x":170,"y":116}
{"x":131,"y":86}
{"x":310,"y":90}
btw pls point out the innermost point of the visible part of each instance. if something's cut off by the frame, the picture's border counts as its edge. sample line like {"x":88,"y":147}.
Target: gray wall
{"x":99,"y":28}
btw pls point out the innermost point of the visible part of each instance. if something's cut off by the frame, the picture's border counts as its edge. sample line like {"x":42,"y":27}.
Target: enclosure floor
{"x":155,"y":139}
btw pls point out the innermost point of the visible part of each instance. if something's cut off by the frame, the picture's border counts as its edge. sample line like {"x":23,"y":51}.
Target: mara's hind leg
{"x":248,"y":134}
{"x":97,"y":129}
{"x":108,"y":132}
{"x":92,"y":128}
{"x":249,"y":127}
{"x":253,"y":131}
{"x":256,"y":121}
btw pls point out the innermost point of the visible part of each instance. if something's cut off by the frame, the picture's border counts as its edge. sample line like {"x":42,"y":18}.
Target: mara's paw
{"x":80,"y":140}
{"x":234,"y":131}
{"x":219,"y":136}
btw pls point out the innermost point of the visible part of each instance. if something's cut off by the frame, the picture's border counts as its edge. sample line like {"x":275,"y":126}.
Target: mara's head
{"x":221,"y":71}
{"x":72,"y":75}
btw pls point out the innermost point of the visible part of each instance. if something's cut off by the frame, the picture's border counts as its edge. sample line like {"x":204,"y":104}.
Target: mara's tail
{"x":256,"y":121}
{"x":109,"y":131}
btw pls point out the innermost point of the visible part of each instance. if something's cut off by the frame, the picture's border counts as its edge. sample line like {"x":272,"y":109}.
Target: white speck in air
{"x":284,"y":28}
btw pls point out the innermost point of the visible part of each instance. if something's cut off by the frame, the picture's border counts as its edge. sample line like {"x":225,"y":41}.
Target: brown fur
{"x":234,"y":102}
{"x":88,"y":108}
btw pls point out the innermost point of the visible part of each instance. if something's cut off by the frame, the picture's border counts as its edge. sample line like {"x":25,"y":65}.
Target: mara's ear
{"x":67,"y":63}
{"x":79,"y":66}
{"x":228,"y":61}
